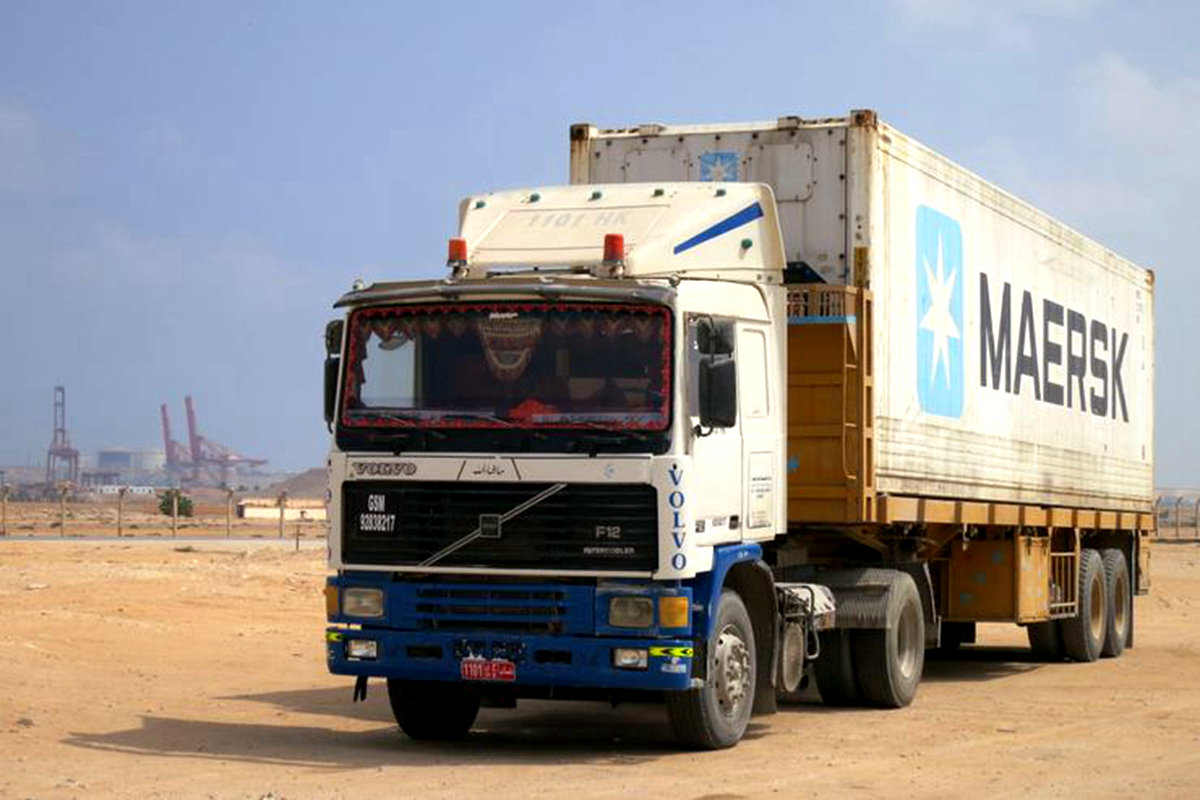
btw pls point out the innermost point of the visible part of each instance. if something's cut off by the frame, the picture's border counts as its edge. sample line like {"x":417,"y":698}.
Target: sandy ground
{"x":169,"y":669}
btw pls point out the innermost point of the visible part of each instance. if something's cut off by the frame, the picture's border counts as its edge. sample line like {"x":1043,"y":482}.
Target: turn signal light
{"x":331,"y":601}
{"x":672,"y":612}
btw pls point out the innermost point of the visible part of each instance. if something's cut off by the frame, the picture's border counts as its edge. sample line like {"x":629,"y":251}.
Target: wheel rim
{"x":1120,"y":604}
{"x":1096,"y":609}
{"x":733,"y":674}
{"x":908,"y":643}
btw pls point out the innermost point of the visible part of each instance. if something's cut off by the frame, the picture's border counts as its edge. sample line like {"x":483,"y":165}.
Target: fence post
{"x":282,"y":509}
{"x":1178,"y":516}
{"x":4,"y":509}
{"x":174,"y":512}
{"x":228,"y":513}
{"x":121,"y":510}
{"x":62,"y":509}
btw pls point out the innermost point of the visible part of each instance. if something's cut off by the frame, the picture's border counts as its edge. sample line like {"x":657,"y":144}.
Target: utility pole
{"x":121,"y":511}
{"x":174,"y":512}
{"x":282,"y":509}
{"x":4,"y":490}
{"x":228,"y":513}
{"x":63,"y":488}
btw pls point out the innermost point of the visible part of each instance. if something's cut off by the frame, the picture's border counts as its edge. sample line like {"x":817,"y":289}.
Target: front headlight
{"x":631,"y":612}
{"x":361,"y":602}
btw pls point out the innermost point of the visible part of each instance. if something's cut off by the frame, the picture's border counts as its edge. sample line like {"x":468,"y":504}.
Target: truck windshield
{"x":509,"y":365}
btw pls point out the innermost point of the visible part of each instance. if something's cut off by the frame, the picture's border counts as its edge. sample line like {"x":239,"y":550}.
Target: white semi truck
{"x":741,"y":406}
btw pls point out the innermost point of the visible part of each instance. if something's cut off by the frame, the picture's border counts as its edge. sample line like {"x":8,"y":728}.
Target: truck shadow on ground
{"x":979,"y":663}
{"x":537,"y":732}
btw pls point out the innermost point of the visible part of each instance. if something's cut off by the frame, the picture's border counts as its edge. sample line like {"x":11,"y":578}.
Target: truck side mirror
{"x":718,"y":392}
{"x":333,"y":352}
{"x":714,"y":338}
{"x":331,"y":387}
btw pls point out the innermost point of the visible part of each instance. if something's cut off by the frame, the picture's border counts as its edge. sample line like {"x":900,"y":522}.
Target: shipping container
{"x":992,"y":353}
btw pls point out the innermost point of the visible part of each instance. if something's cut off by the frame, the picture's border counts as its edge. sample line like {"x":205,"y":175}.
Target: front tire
{"x":432,"y":711}
{"x":715,"y":716}
{"x":1083,"y":634}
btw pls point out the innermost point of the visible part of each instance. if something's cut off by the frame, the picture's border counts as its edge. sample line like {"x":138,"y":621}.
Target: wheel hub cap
{"x":733,"y":676}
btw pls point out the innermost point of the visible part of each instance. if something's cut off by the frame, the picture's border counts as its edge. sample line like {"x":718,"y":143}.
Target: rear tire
{"x":1119,"y":613}
{"x":1046,"y":641}
{"x":834,"y":670}
{"x":432,"y":711}
{"x":1083,"y":634}
{"x":888,"y":662}
{"x":715,"y":716}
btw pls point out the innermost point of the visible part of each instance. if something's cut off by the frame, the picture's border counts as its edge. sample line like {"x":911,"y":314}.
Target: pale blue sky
{"x":184,"y":189}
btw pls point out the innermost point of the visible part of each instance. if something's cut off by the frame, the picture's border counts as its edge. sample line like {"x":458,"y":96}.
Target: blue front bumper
{"x":553,"y":661}
{"x":429,"y":628}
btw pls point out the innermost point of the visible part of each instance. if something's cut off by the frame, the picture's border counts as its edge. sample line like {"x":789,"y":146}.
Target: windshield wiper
{"x":592,"y":424}
{"x":460,"y":415}
{"x":388,"y":416}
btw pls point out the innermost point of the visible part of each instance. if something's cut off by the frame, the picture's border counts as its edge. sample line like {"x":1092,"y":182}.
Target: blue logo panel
{"x":719,"y":165}
{"x":940,"y":333}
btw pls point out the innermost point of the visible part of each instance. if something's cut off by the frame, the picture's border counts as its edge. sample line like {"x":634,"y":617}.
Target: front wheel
{"x":715,"y":716}
{"x":433,"y":711}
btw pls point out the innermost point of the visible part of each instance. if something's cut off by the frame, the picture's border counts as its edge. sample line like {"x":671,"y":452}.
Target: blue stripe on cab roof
{"x":746,"y":215}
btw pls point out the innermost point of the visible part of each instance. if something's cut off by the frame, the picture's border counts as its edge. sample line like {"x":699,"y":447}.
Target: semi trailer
{"x":740,"y":407}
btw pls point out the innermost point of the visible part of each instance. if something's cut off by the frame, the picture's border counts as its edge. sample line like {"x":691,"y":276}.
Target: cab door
{"x":760,"y":433}
{"x":716,"y":482}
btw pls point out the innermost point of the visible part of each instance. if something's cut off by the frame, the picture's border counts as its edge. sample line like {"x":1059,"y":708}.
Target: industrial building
{"x":298,"y":509}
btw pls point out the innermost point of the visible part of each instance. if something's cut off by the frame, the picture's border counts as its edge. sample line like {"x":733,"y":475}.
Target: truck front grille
{"x":592,"y":527}
{"x":516,"y":608}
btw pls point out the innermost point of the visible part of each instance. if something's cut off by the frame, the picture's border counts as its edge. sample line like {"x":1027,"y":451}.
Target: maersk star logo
{"x":939,"y":266}
{"x":719,"y":165}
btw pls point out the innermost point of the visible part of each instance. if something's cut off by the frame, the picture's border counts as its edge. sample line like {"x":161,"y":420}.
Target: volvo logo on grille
{"x":489,"y":526}
{"x":385,"y":468}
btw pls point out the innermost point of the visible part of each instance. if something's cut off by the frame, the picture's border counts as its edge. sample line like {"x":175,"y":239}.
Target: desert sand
{"x":166,"y":668}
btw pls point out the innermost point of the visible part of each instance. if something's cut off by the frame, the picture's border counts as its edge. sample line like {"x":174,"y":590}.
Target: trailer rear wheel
{"x":1083,"y":634}
{"x":888,"y":662}
{"x":434,"y":710}
{"x":834,"y":670}
{"x":1119,"y":613}
{"x":715,"y":716}
{"x":1046,"y":641}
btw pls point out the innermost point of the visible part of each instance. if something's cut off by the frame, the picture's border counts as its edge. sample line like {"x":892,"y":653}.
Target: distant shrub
{"x":185,"y":502}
